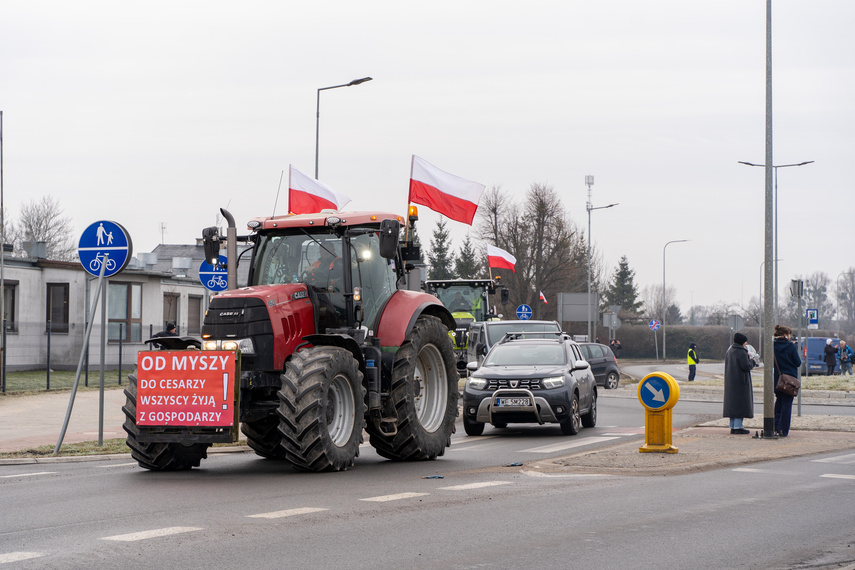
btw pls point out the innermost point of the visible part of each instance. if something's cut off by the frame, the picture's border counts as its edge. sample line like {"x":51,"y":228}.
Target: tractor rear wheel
{"x":424,"y":394}
{"x":153,"y":455}
{"x":322,"y":409}
{"x":264,"y":437}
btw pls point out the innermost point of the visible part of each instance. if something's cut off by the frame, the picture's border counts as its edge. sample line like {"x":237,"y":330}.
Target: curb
{"x":109,"y":457}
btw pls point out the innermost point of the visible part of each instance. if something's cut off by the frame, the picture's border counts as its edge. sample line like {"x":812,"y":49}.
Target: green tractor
{"x":469,"y":301}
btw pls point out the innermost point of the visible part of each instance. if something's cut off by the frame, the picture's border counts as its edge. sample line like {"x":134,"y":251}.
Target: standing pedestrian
{"x":830,"y":357}
{"x":169,"y":331}
{"x":787,"y":361}
{"x":693,"y":360}
{"x":738,"y":392}
{"x":615,"y":346}
{"x":846,"y":356}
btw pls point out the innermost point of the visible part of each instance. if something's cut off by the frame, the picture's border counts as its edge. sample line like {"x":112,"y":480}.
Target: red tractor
{"x":334,"y":338}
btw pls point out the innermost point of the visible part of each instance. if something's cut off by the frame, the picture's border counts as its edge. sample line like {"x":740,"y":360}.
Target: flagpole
{"x":288,"y":209}
{"x":409,"y":203}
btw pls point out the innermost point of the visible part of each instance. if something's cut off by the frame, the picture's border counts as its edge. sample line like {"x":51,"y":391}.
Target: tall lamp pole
{"x":318,"y":113}
{"x":589,"y":180}
{"x":775,"y":200}
{"x":664,"y":303}
{"x":837,"y":282}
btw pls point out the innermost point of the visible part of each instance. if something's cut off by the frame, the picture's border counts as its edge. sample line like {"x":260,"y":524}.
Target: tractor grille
{"x":524,"y":383}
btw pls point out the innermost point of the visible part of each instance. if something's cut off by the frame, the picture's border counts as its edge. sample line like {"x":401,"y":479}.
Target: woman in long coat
{"x":830,"y":357}
{"x":738,"y":393}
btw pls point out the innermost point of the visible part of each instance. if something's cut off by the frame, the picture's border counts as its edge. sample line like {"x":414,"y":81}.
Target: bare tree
{"x":549,"y":249}
{"x":845,"y":295}
{"x":43,"y":220}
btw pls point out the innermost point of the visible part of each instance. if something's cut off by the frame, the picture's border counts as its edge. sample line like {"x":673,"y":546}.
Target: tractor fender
{"x":340,"y":340}
{"x":402,"y":310}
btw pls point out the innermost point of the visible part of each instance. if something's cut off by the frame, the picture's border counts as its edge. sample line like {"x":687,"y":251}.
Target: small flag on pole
{"x":543,"y":298}
{"x":499,"y":258}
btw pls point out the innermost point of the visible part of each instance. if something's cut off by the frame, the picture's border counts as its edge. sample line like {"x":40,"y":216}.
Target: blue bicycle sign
{"x":104,"y":240}
{"x":214,"y":278}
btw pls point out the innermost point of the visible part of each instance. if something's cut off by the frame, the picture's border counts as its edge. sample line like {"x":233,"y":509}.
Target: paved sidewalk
{"x":32,"y":420}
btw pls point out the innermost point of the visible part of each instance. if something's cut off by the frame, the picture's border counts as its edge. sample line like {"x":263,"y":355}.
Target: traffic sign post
{"x":524,"y":312}
{"x":658,"y":392}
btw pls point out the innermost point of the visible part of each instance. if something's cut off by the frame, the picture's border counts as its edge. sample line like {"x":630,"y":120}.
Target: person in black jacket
{"x":787,"y":361}
{"x":830,"y":357}
{"x":738,"y":392}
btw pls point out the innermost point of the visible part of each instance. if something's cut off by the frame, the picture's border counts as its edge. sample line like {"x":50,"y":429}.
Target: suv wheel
{"x":573,"y":423}
{"x":472,"y":427}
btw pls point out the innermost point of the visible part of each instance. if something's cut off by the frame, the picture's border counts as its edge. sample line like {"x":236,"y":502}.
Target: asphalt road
{"x":239,"y":510}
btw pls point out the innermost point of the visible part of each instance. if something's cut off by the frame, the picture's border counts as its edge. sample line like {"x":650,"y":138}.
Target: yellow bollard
{"x":658,"y":392}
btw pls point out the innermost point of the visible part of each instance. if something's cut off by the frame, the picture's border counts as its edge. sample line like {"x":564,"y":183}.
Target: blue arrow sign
{"x":214,"y":278}
{"x":104,"y":240}
{"x":654,"y":392}
{"x":523,"y":312}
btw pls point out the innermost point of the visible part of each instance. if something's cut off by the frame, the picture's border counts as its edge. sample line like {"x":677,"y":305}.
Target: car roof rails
{"x":516,"y":335}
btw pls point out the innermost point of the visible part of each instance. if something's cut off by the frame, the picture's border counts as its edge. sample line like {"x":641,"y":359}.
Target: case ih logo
{"x":230,"y":313}
{"x":300,"y":295}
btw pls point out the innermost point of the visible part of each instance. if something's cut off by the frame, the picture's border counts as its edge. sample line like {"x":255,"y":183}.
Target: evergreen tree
{"x":466,"y":264}
{"x":441,"y":259}
{"x":622,"y":289}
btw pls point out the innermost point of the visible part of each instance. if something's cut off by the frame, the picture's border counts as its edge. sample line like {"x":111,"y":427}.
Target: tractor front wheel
{"x":424,"y":394}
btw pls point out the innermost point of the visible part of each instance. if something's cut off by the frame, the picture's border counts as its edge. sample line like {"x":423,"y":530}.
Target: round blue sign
{"x":654,"y":392}
{"x":523,"y":312}
{"x":655,"y":324}
{"x":214,"y":278}
{"x":104,"y":244}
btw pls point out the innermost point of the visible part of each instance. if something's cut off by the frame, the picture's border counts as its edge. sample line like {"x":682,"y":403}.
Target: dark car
{"x":603,"y":363}
{"x":484,"y":334}
{"x":531,"y":380}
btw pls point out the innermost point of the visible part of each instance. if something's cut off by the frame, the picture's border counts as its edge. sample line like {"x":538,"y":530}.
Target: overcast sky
{"x":162,"y":112}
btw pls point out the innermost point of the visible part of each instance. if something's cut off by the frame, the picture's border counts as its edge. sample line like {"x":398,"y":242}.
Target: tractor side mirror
{"x":389,"y":230}
{"x":211,"y":244}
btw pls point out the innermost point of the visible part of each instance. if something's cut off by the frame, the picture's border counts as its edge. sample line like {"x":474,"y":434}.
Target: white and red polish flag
{"x":442,"y":192}
{"x":543,"y":298}
{"x":499,"y":258}
{"x":308,"y":196}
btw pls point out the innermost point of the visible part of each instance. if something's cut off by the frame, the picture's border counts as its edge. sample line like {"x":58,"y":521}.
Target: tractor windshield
{"x":463,"y":299}
{"x":316,"y":259}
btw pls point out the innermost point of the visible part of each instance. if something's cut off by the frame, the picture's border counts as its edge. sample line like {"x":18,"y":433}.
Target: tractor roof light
{"x":414,"y":214}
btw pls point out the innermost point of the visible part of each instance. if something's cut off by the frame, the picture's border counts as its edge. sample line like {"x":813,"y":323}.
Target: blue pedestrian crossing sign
{"x":658,"y":391}
{"x":523,"y":312}
{"x":214,"y":278}
{"x":105,"y":244}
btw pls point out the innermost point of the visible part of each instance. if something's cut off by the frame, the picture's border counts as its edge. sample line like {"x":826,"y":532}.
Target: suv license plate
{"x":504,"y":402}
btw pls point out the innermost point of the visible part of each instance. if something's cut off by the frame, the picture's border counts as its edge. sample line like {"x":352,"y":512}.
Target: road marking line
{"x":27,"y":474}
{"x":135,"y":536}
{"x":840,"y":459}
{"x":564,"y":475}
{"x":567,"y":445}
{"x":472,"y":438}
{"x":751,"y":470}
{"x":468,"y":447}
{"x":134,"y":463}
{"x":480,"y":485}
{"x":836,"y":476}
{"x":18,"y":556}
{"x":287,"y":513}
{"x":399,"y":496}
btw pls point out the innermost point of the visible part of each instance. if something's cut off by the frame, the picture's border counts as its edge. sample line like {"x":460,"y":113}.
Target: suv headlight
{"x":244,"y":345}
{"x":476,"y":383}
{"x":553,"y":382}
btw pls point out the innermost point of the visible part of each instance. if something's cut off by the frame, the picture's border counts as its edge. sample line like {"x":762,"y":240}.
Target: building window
{"x":194,"y":315}
{"x":124,"y":312}
{"x":57,"y":307}
{"x":10,"y":292}
{"x":170,"y":308}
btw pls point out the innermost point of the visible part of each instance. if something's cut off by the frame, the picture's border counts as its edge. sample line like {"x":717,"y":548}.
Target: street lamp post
{"x":775,"y":253}
{"x":318,"y":113}
{"x":589,"y":180}
{"x":664,"y":304}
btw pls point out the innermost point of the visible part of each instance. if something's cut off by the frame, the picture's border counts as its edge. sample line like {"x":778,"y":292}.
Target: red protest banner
{"x":185,"y":388}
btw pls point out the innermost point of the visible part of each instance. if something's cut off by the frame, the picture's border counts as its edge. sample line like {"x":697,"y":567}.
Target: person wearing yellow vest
{"x":692,"y":358}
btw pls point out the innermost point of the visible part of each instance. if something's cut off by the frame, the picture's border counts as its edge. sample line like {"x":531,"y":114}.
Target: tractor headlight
{"x":244,"y":345}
